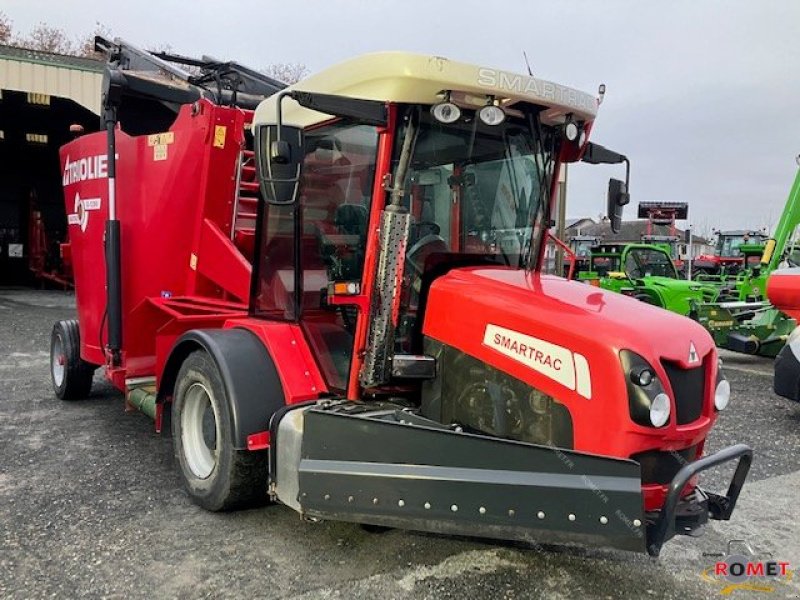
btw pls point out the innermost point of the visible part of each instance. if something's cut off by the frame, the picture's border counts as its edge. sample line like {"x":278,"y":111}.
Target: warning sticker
{"x":220,"y":131}
{"x":159,"y":139}
{"x":160,"y":152}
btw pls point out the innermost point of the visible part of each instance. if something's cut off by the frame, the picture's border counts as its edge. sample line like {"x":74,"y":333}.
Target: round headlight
{"x":445,"y":112}
{"x":571,"y":131}
{"x":722,"y":395}
{"x":659,"y":410}
{"x":492,"y":115}
{"x":642,"y":377}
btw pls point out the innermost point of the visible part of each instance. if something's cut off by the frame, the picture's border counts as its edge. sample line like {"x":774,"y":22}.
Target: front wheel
{"x":647,"y":299}
{"x":70,"y":375}
{"x":216,"y":475}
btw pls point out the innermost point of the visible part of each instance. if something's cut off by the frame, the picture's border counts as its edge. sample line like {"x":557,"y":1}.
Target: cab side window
{"x":335,"y":191}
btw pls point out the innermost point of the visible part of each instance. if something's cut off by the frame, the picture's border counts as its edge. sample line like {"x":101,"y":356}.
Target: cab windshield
{"x":474,"y":189}
{"x":649,"y":262}
{"x":728,"y":246}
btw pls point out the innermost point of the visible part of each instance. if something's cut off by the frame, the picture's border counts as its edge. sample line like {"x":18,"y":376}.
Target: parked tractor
{"x":750,"y":323}
{"x":372,"y":339}
{"x":581,"y":255}
{"x":665,"y":214}
{"x":645,"y":272}
{"x":728,"y":258}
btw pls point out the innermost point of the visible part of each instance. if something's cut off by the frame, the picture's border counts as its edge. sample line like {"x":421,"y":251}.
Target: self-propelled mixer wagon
{"x":372,"y":340}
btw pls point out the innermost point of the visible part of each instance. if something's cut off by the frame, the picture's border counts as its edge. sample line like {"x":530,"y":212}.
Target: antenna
{"x":527,"y":64}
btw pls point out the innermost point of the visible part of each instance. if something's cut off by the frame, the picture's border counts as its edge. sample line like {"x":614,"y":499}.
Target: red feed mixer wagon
{"x":344,"y":310}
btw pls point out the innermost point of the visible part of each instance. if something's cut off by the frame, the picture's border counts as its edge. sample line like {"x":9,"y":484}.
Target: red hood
{"x":563,"y":338}
{"x":559,"y":310}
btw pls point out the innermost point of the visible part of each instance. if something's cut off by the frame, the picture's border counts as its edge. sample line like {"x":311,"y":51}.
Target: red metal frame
{"x":383,"y":166}
{"x":567,"y":249}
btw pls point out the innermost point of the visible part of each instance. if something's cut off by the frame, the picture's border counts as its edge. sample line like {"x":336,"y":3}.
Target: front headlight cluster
{"x":648,"y":401}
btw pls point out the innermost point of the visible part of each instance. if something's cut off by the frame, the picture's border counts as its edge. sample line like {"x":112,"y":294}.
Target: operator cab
{"x":476,"y":194}
{"x":468,"y":169}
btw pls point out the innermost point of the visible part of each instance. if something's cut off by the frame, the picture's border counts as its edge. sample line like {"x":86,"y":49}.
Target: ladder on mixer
{"x":243,"y":226}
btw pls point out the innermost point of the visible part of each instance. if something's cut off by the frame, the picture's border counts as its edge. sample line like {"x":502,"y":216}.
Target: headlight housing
{"x":722,"y":393}
{"x":648,"y":402}
{"x":660,"y":410}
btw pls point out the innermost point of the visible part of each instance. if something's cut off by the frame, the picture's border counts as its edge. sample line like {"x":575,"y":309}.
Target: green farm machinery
{"x":750,"y":324}
{"x":646,"y":272}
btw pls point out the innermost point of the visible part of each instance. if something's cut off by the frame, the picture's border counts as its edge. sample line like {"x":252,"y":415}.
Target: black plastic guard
{"x":384,"y":468}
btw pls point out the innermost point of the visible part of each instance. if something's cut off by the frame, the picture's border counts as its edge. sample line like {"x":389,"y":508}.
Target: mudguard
{"x":251,"y":379}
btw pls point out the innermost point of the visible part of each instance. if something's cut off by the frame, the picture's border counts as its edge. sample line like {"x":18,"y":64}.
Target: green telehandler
{"x":646,"y":272}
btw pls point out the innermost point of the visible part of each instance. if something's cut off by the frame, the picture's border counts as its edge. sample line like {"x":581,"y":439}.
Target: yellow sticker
{"x":159,"y":139}
{"x":193,"y":261}
{"x":219,"y":136}
{"x":160,"y":152}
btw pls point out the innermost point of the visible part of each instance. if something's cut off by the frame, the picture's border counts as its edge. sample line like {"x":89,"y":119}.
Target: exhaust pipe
{"x":393,"y":240}
{"x":393,"y":236}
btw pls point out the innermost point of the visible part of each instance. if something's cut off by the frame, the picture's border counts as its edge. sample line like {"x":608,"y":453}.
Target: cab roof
{"x":404,"y":77}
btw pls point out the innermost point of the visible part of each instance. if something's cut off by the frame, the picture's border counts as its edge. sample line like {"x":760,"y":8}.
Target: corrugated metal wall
{"x":67,"y":81}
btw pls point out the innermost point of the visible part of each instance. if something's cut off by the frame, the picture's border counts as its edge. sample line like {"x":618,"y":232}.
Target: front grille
{"x":661,"y":467}
{"x":688,"y":387}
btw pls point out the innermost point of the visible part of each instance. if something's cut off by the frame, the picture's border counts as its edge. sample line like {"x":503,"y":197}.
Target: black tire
{"x":70,"y":375}
{"x":647,"y":299}
{"x":237,"y":478}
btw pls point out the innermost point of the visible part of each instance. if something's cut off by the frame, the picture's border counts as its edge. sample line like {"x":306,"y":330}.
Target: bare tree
{"x":286,"y":72}
{"x":5,"y":29}
{"x":47,"y":38}
{"x":87,"y":43}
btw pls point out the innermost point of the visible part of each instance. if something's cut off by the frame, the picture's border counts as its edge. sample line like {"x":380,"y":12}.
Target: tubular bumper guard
{"x":692,"y":512}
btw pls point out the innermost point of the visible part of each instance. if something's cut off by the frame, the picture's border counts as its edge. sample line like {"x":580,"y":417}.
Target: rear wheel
{"x":216,"y":475}
{"x":70,"y":374}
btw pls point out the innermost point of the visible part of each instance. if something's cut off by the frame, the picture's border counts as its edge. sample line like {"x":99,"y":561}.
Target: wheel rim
{"x":200,"y":431}
{"x":57,"y":361}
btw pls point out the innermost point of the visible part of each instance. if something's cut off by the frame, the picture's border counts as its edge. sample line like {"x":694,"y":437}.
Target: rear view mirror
{"x":278,"y":160}
{"x":618,"y":197}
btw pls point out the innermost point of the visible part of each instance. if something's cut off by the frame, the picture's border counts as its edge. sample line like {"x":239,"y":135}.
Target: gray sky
{"x":703,"y":96}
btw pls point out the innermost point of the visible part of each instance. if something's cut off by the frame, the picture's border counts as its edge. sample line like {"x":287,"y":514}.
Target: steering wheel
{"x":416,"y":250}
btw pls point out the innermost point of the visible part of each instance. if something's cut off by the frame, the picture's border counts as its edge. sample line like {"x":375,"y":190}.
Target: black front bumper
{"x":683,"y":516}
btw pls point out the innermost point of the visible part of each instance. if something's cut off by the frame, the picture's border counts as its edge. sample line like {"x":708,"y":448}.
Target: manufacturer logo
{"x":83,"y":169}
{"x":744,"y":572}
{"x":82,"y":208}
{"x":560,"y":364}
{"x":693,"y":356}
{"x":513,"y":82}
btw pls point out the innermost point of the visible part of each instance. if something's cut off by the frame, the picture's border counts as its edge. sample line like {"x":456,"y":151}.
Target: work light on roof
{"x":446,"y":111}
{"x":492,"y":114}
{"x":571,"y":130}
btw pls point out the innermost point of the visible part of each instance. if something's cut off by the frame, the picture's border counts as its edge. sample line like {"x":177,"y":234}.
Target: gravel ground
{"x":91,"y":506}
